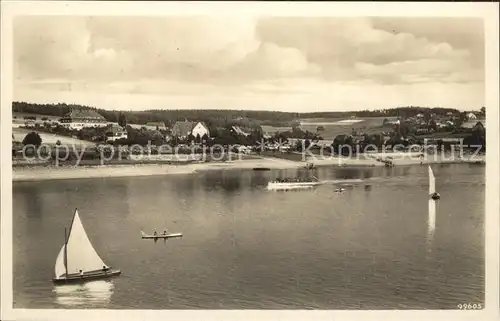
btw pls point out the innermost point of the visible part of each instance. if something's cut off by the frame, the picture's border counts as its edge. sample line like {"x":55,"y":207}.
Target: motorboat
{"x":285,"y":184}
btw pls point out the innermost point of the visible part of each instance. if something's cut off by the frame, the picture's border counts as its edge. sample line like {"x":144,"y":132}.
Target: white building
{"x":81,"y":118}
{"x":116,"y":132}
{"x":471,"y":116}
{"x":200,"y":129}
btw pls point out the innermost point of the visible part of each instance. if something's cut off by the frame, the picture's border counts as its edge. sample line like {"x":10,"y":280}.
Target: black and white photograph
{"x":282,"y":157}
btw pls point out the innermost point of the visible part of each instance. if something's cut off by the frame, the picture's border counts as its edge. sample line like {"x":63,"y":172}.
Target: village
{"x":86,"y":127}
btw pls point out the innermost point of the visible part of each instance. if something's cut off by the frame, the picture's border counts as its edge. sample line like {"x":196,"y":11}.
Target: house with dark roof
{"x":115,"y":132}
{"x":182,"y":129}
{"x":473,"y":125}
{"x":238,"y":131}
{"x":81,"y":118}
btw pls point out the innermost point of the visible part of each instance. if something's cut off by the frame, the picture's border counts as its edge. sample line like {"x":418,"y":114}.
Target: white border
{"x":488,"y":11}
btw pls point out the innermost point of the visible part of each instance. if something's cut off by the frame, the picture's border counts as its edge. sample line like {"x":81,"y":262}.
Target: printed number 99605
{"x":468,"y":306}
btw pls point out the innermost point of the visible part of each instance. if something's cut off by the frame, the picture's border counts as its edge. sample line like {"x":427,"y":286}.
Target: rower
{"x":154,"y":233}
{"x":165,"y":232}
{"x":81,"y":273}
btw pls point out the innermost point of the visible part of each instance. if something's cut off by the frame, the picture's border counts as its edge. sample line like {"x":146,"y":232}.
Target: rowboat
{"x":160,"y":236}
{"x":77,"y":260}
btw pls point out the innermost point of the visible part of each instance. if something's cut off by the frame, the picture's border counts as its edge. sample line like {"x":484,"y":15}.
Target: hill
{"x":224,"y":117}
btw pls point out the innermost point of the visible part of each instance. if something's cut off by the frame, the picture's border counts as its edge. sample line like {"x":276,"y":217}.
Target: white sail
{"x":80,"y":254}
{"x":432,"y":182}
{"x":60,"y":268}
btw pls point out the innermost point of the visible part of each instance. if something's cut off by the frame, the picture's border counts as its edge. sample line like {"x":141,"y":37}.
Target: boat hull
{"x":168,"y":236}
{"x":88,"y":276}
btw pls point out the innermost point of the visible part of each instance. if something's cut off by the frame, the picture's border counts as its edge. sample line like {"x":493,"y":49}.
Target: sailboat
{"x":77,"y":260}
{"x":432,"y":186}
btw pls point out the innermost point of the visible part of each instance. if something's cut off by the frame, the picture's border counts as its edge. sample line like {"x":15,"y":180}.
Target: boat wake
{"x":289,"y":187}
{"x":285,"y":186}
{"x":341,"y":181}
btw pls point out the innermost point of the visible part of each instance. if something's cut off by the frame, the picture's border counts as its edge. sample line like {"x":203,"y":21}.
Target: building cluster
{"x":433,"y":122}
{"x":79,"y":119}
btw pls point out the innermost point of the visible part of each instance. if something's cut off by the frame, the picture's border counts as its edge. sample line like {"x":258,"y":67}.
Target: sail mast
{"x":65,"y":252}
{"x":66,"y":239}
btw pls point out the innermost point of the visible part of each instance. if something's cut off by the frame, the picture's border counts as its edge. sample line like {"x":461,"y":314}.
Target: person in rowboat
{"x":154,"y":233}
{"x":81,"y":273}
{"x":165,"y":232}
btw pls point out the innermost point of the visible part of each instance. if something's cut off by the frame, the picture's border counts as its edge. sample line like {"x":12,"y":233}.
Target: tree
{"x":342,"y":144}
{"x":394,"y":140}
{"x":190,"y":138}
{"x":307,"y":143}
{"x":427,"y":115}
{"x":32,"y":139}
{"x":122,"y":120}
{"x":405,"y":128}
{"x":433,"y":125}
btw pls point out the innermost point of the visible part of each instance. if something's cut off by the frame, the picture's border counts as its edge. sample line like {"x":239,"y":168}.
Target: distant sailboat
{"x":77,"y":260}
{"x":432,"y":186}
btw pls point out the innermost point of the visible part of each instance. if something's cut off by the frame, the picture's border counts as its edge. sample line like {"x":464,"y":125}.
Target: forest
{"x":218,"y":118}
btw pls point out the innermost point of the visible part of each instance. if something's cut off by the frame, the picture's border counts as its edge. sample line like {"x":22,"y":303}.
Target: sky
{"x":293,"y":64}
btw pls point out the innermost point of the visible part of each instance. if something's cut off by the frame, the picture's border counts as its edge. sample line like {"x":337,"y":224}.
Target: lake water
{"x":378,"y":245}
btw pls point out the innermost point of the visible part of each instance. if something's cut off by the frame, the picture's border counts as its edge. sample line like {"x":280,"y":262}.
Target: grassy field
{"x":271,"y":129}
{"x":20,"y":133}
{"x":337,"y":126}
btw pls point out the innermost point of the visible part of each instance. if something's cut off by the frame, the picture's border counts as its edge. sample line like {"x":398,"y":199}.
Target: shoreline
{"x":44,"y":172}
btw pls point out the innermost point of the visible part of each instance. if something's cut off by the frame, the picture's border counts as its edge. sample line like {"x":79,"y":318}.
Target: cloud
{"x":130,"y":48}
{"x":424,"y":70}
{"x":220,"y":56}
{"x":340,"y":45}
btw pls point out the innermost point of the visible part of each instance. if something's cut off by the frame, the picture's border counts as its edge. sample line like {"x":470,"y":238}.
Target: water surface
{"x":378,"y":245}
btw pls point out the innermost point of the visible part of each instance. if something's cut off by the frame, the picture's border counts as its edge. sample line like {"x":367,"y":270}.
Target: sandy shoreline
{"x":40,"y":173}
